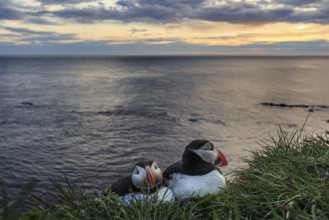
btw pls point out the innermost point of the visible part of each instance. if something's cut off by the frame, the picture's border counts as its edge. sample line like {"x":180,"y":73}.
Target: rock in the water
{"x":27,"y":103}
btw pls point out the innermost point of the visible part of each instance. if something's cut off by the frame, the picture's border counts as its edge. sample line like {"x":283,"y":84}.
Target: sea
{"x":92,"y":118}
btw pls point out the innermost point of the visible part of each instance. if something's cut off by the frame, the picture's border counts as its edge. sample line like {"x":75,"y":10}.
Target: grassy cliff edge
{"x":287,"y":178}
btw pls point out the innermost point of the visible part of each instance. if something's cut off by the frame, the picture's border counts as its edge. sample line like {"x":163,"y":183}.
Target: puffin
{"x":145,"y":182}
{"x":197,"y":174}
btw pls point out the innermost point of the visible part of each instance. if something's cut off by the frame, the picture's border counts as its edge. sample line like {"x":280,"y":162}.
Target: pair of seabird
{"x":197,"y":174}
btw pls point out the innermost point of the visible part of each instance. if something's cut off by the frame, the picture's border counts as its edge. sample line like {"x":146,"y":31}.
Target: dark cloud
{"x":136,"y":10}
{"x":168,"y":40}
{"x":246,"y":14}
{"x":42,"y":21}
{"x":147,"y":13}
{"x":49,"y":38}
{"x":239,"y":36}
{"x":161,"y":40}
{"x":176,"y":4}
{"x":310,"y":18}
{"x":136,"y":30}
{"x":173,"y":4}
{"x":169,"y":11}
{"x":50,"y":2}
{"x":9,"y":35}
{"x":26,"y":31}
{"x":297,"y":2}
{"x":126,"y":3}
{"x":8,"y":13}
{"x":321,"y":16}
{"x":30,"y":36}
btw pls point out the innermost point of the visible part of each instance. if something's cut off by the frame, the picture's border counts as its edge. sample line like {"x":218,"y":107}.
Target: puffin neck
{"x":194,"y":165}
{"x":144,"y":190}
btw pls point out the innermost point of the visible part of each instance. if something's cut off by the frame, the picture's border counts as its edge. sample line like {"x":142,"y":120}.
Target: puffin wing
{"x":173,"y":168}
{"x":178,"y":167}
{"x":123,"y":186}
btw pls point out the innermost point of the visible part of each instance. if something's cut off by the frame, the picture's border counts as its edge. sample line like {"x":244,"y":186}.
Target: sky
{"x":164,"y":27}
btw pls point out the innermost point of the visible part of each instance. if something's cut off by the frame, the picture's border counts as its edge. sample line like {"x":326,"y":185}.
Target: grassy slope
{"x":288,"y":178}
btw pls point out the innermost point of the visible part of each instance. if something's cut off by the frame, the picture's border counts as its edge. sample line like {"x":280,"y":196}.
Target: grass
{"x":13,"y":209}
{"x":287,"y":178}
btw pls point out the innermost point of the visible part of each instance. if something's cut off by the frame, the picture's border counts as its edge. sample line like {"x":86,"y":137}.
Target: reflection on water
{"x":93,"y":118}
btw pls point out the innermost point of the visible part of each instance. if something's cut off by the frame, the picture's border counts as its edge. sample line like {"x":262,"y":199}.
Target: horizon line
{"x":164,"y":55}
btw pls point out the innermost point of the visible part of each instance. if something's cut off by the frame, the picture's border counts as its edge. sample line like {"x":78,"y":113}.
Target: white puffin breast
{"x":184,"y":186}
{"x":132,"y":198}
{"x":164,"y":194}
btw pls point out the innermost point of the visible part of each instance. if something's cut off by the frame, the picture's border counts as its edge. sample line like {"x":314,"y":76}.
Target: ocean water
{"x":93,"y":118}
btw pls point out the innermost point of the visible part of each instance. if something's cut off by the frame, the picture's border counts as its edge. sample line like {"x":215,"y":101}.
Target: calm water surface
{"x":93,"y":118}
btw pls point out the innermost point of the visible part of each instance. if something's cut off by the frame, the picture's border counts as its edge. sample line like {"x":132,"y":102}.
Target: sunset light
{"x":174,"y":27}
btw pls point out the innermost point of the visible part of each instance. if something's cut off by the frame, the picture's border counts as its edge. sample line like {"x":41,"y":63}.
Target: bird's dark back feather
{"x":178,"y":167}
{"x":124,"y":186}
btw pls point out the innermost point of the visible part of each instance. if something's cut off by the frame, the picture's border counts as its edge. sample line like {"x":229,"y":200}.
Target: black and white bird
{"x":198,"y":173}
{"x":144,"y":183}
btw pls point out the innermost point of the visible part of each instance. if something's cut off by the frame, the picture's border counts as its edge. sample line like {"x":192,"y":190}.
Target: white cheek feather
{"x":207,"y":155}
{"x":184,"y":186}
{"x":157,"y":172}
{"x":138,"y":179}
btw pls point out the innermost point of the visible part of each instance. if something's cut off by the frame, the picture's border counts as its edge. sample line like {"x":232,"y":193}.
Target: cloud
{"x":239,"y":36}
{"x":7,"y":13}
{"x":298,"y":2}
{"x":134,"y":10}
{"x":24,"y":35}
{"x":146,"y":13}
{"x":320,"y":16}
{"x":163,"y":40}
{"x":50,"y":2}
{"x":49,"y":38}
{"x":174,"y":4}
{"x":42,"y":21}
{"x":136,"y":30}
{"x":170,"y":11}
{"x":247,"y":14}
{"x":144,"y":41}
{"x":26,"y":31}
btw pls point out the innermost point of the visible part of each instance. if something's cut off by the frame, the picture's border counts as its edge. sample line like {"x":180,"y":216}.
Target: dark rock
{"x":311,"y":108}
{"x":300,"y":106}
{"x":220,"y":122}
{"x":321,"y":106}
{"x":27,"y":103}
{"x":284,"y":105}
{"x":327,"y":121}
{"x":193,"y":120}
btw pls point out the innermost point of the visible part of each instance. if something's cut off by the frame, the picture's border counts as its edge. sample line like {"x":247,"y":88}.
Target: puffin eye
{"x":155,"y":165}
{"x":136,"y":171}
{"x":207,"y":146}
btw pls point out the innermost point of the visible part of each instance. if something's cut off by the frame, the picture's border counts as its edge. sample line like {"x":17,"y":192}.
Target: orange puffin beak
{"x":151,"y":177}
{"x":222,"y":158}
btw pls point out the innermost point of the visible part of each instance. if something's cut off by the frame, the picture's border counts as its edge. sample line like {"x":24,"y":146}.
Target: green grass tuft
{"x":287,"y":178}
{"x":12,"y":210}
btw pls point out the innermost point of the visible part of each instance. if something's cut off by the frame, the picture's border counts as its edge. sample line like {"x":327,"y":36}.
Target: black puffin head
{"x":201,"y":154}
{"x":146,"y":175}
